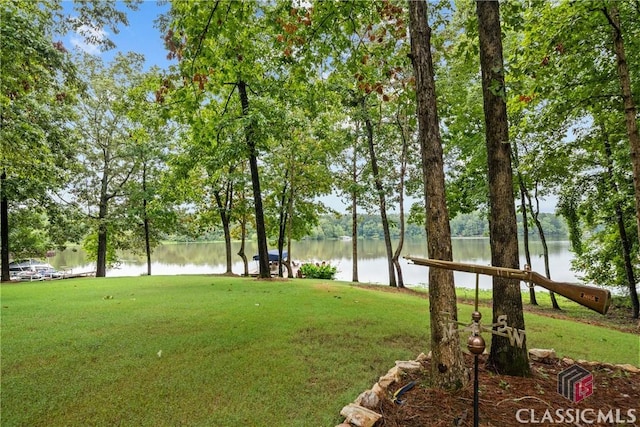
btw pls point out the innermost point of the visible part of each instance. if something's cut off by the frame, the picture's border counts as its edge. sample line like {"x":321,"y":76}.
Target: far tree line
{"x":474,"y":224}
{"x":336,"y":226}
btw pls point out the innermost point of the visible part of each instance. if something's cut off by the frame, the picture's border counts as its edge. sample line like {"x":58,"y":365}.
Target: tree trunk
{"x":289,"y":264}
{"x":227,"y":245}
{"x":382,"y":202}
{"x":624,"y":239}
{"x":354,"y":212}
{"x":224,"y":207}
{"x":630,"y":111}
{"x":263,"y":256}
{"x":503,"y":232}
{"x":525,"y":225}
{"x":243,"y":238}
{"x":628,"y":265}
{"x":147,"y":243}
{"x":101,"y":261}
{"x":354,"y":239}
{"x":243,"y":233}
{"x":535,"y":213}
{"x":403,"y":171}
{"x":5,"y":275}
{"x":282,"y":221}
{"x":525,"y":233}
{"x":447,"y":364}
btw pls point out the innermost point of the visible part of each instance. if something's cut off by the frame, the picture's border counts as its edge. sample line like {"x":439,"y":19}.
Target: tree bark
{"x":224,"y":208}
{"x":354,"y":210}
{"x":630,"y":112}
{"x":101,"y":261}
{"x":243,"y":230}
{"x":535,"y":213}
{"x":447,"y":364}
{"x":503,"y":233}
{"x":5,"y":275}
{"x":103,"y":208}
{"x":282,"y":221}
{"x":403,"y":170}
{"x":624,"y":239}
{"x":263,"y":256}
{"x":354,"y":239}
{"x":243,"y":238}
{"x":147,"y":243}
{"x":525,"y":224}
{"x":525,"y":235}
{"x":291,"y":197}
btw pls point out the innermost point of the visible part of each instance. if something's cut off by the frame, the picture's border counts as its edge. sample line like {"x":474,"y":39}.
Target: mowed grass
{"x":221,"y":351}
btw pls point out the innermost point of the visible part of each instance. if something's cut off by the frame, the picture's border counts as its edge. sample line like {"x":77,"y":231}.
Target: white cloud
{"x":88,"y":39}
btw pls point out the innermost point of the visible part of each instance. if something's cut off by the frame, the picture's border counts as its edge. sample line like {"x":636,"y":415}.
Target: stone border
{"x":360,"y":412}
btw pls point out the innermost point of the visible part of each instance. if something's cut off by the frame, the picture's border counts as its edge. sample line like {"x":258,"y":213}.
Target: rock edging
{"x":360,"y":413}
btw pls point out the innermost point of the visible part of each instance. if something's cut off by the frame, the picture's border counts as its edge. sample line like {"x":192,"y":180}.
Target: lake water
{"x":209,"y":258}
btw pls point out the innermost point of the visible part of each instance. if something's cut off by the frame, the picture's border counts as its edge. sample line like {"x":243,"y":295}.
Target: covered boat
{"x":273,"y":256}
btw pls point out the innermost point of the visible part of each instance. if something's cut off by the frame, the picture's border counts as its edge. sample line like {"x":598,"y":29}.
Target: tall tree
{"x":353,"y":191}
{"x":625,"y":241}
{"x":534,"y":209}
{"x":379,"y":189}
{"x":503,"y":233}
{"x":250,"y":139}
{"x":107,"y":152}
{"x":630,"y":111}
{"x":447,"y":364}
{"x":230,"y":59}
{"x":37,"y":86}
{"x":303,"y":151}
{"x":572,"y":86}
{"x":603,"y":194}
{"x":152,"y":203}
{"x":525,"y":233}
{"x":359,"y":46}
{"x":534,"y":164}
{"x":402,"y":122}
{"x":348,"y":171}
{"x":243,"y":209}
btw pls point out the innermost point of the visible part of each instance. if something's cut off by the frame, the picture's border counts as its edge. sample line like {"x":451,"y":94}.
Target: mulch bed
{"x":509,"y":401}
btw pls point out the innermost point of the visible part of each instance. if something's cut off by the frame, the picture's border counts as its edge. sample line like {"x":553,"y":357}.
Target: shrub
{"x":324,"y":271}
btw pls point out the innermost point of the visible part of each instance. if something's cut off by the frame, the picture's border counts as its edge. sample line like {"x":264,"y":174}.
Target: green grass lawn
{"x":219,"y":351}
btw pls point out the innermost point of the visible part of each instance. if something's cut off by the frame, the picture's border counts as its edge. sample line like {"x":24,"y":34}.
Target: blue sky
{"x":140,"y":36}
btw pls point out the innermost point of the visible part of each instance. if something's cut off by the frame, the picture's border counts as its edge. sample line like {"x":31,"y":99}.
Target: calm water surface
{"x":209,"y":258}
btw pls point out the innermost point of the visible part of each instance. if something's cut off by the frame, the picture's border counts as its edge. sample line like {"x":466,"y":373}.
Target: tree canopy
{"x":271,"y":106}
